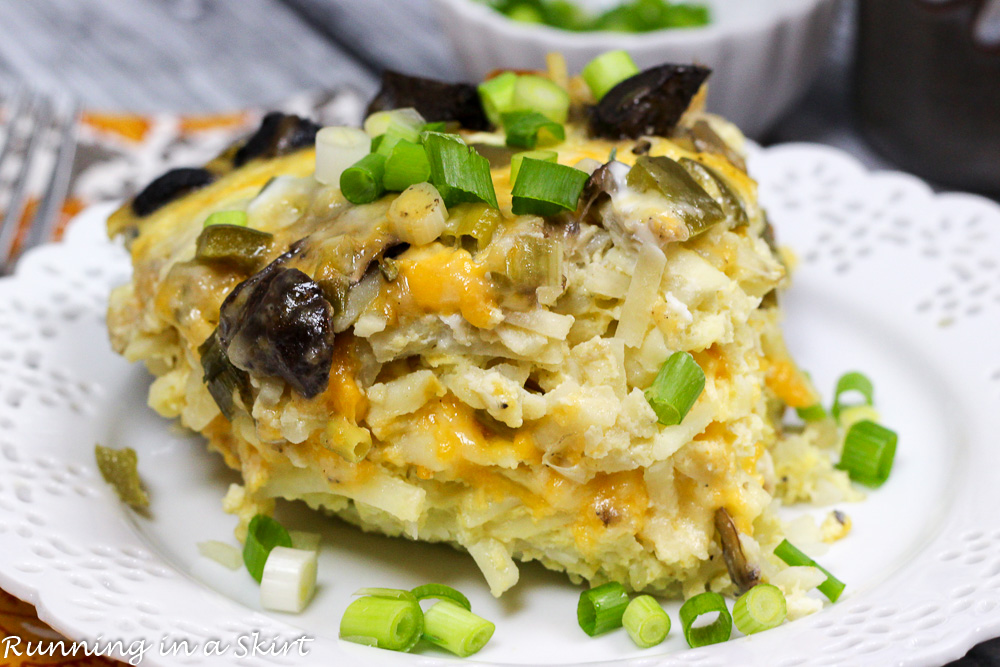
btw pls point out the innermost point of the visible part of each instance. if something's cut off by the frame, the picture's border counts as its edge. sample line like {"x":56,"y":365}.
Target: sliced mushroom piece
{"x":278,"y":134}
{"x":435,"y":100}
{"x":743,"y":574}
{"x":168,"y":187}
{"x":649,"y":103}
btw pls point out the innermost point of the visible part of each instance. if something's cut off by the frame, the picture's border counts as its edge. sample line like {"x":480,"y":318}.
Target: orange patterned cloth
{"x":117,"y":154}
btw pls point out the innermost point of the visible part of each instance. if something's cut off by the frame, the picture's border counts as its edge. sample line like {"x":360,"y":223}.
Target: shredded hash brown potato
{"x":467,"y":406}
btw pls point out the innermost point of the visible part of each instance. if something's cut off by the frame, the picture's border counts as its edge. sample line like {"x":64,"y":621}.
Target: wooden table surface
{"x":201,"y":56}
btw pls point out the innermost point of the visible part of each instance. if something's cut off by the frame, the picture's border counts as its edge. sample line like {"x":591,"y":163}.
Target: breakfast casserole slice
{"x":472,"y":358}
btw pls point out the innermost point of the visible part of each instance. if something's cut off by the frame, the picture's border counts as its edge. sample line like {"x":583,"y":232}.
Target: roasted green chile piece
{"x":687,"y":200}
{"x":533,"y":262}
{"x":119,"y":469}
{"x":223,"y":378}
{"x":234,"y":245}
{"x":709,"y":179}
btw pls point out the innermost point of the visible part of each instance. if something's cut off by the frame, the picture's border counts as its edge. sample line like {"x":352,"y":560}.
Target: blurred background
{"x":99,"y":96}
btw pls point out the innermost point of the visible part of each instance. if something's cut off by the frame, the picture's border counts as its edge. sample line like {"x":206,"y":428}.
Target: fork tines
{"x":39,"y":143}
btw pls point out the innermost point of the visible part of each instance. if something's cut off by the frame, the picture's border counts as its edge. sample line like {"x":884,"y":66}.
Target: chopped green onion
{"x":856,"y":413}
{"x":305,"y":540}
{"x":831,"y":588}
{"x":527,"y":129}
{"x":361,"y":183}
{"x":715,"y":632}
{"x":119,"y":468}
{"x":289,"y":579}
{"x":852,"y":381}
{"x":441,"y":592}
{"x":400,"y":123}
{"x":384,"y":622}
{"x":813,"y":413}
{"x":222,"y":553}
{"x":516,"y":158}
{"x":608,"y":70}
{"x":646,"y":622}
{"x":546,"y":188}
{"x":525,"y":14}
{"x":676,"y":388}
{"x":476,"y":220}
{"x":601,"y":609}
{"x":237,"y":218}
{"x":384,"y":143}
{"x":536,"y":93}
{"x":436,"y":126}
{"x":458,"y":172}
{"x":760,"y":608}
{"x":869,"y":450}
{"x":406,"y":164}
{"x":497,"y":95}
{"x":394,"y":593}
{"x":337,"y":148}
{"x":263,"y":534}
{"x":456,"y":629}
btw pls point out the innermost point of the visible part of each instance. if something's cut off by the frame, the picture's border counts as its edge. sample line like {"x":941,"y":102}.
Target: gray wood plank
{"x":184,"y":55}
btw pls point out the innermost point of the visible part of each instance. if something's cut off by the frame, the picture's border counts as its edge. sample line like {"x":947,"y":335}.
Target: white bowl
{"x":764,"y":53}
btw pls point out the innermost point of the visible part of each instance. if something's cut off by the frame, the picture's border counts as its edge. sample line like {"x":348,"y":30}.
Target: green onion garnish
{"x":831,"y":588}
{"x":646,"y":622}
{"x":263,"y":534}
{"x":546,"y":188}
{"x":527,"y":129}
{"x":456,"y":629}
{"x":436,"y":126}
{"x":760,"y":608}
{"x":608,"y":70}
{"x":458,"y":172}
{"x":406,"y":164}
{"x":601,"y":609}
{"x":515,"y":160}
{"x":676,"y":388}
{"x":441,"y":592}
{"x":813,"y":413}
{"x":715,"y":632}
{"x":536,"y":93}
{"x":869,"y":449}
{"x":238,"y":218}
{"x":403,"y":123}
{"x":852,"y":381}
{"x":394,"y":623}
{"x":497,"y":95}
{"x":361,"y":183}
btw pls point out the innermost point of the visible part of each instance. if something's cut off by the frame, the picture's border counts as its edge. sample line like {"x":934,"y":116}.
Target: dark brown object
{"x":743,"y":574}
{"x":278,"y":134}
{"x":928,"y":95}
{"x":277,"y":323}
{"x":168,"y":187}
{"x":651,"y":102}
{"x":435,"y":100}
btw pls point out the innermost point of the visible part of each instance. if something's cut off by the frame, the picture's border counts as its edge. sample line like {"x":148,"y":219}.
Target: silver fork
{"x":39,"y":145}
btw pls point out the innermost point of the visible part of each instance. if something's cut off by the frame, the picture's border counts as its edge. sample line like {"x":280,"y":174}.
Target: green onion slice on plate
{"x":646,"y":622}
{"x":454,"y":628}
{"x":715,"y":632}
{"x":869,"y":450}
{"x":601,"y":609}
{"x":853,"y":381}
{"x":441,"y":592}
{"x":391,"y":622}
{"x":760,"y":608}
{"x":263,"y":534}
{"x":790,"y":554}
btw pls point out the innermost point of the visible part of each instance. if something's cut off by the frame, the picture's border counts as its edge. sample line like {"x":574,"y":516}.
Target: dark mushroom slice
{"x":743,"y":574}
{"x":168,"y":187}
{"x":435,"y":100}
{"x":649,"y":103}
{"x":278,"y":134}
{"x":278,"y":323}
{"x":598,"y":189}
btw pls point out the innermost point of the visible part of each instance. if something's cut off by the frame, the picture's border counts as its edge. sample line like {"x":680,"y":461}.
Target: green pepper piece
{"x":240,"y":247}
{"x":534,"y":262}
{"x":476,"y":221}
{"x":727,"y":199}
{"x":222,"y":378}
{"x":119,"y":469}
{"x":687,"y":200}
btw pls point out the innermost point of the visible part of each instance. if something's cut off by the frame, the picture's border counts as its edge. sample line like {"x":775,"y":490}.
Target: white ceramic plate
{"x":895,"y":281}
